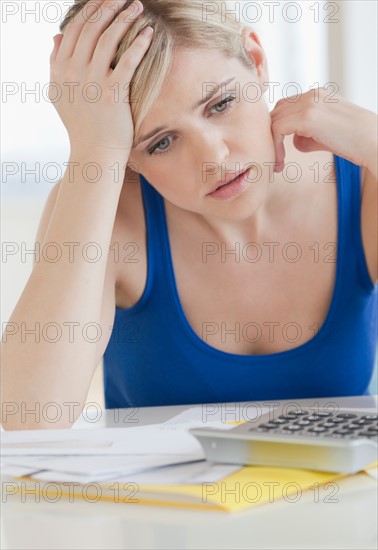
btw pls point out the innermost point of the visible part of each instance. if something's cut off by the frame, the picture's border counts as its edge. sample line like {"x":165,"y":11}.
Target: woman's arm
{"x":51,"y":343}
{"x":60,"y":326}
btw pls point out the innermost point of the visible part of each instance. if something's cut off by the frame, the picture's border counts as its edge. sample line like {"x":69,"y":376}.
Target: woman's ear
{"x":254,"y":50}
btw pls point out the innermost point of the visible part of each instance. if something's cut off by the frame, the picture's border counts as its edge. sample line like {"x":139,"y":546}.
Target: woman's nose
{"x":212,"y":149}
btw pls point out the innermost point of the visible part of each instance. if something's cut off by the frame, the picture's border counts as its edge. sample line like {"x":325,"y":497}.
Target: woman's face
{"x":211,"y":142}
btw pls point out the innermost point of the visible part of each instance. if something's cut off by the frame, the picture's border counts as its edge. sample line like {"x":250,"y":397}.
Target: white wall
{"x":355,"y":52}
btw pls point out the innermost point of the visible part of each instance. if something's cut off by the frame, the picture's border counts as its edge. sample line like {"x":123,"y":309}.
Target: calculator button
{"x":364,"y":422}
{"x":343,"y":431}
{"x":338,"y":420}
{"x":367,"y":434}
{"x":287,"y":417}
{"x":323,"y":414}
{"x":303,"y":422}
{"x":353,"y":426}
{"x":373,"y":431}
{"x":328,"y":424}
{"x":292,"y":428}
{"x":370,"y":417}
{"x":318,"y":429}
{"x":347,"y":416}
{"x":313,"y":417}
{"x":299,"y":413}
{"x":279,"y":421}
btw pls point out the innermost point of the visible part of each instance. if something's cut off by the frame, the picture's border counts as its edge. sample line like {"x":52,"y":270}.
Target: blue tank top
{"x":155,"y":358}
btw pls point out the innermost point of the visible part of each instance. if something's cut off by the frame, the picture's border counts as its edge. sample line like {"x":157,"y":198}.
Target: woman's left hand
{"x":325,"y":122}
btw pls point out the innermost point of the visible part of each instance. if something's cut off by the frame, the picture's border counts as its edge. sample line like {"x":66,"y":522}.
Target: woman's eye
{"x":155,"y":147}
{"x":224,"y":105}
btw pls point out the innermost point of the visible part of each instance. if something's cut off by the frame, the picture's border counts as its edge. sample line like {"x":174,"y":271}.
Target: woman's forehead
{"x":193,"y":73}
{"x":199,"y":60}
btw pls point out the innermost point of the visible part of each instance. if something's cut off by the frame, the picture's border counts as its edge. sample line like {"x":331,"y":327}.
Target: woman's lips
{"x":221,"y":184}
{"x":232,"y":188}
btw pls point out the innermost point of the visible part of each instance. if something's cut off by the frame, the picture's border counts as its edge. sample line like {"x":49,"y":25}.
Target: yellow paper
{"x":250,"y":486}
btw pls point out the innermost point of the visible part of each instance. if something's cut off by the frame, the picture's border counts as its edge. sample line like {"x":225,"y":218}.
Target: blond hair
{"x":177,"y":24}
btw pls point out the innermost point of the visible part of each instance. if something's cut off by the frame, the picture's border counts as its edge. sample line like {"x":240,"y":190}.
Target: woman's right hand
{"x":93,"y":99}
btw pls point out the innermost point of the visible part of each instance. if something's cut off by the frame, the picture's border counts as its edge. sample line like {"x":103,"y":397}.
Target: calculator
{"x":342,"y":442}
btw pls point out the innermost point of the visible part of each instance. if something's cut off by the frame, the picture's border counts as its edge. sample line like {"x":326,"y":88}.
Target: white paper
{"x":91,"y":468}
{"x":16,"y":471}
{"x":144,"y":440}
{"x":159,"y":453}
{"x":181,"y":474}
{"x":170,"y":437}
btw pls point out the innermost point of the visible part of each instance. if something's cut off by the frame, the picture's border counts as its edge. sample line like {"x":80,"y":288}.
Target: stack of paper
{"x":85,"y":456}
{"x":160,"y":464}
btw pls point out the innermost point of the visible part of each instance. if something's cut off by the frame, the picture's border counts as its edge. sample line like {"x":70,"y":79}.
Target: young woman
{"x":191,"y":288}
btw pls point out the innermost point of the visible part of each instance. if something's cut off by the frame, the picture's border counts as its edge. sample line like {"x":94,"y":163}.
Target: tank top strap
{"x":349,"y":177}
{"x":157,"y":269}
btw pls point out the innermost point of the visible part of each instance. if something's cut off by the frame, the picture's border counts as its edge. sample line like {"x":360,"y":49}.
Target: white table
{"x":351,"y":522}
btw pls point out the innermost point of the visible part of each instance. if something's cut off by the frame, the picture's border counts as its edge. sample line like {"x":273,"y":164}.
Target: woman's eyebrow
{"x":205,"y":99}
